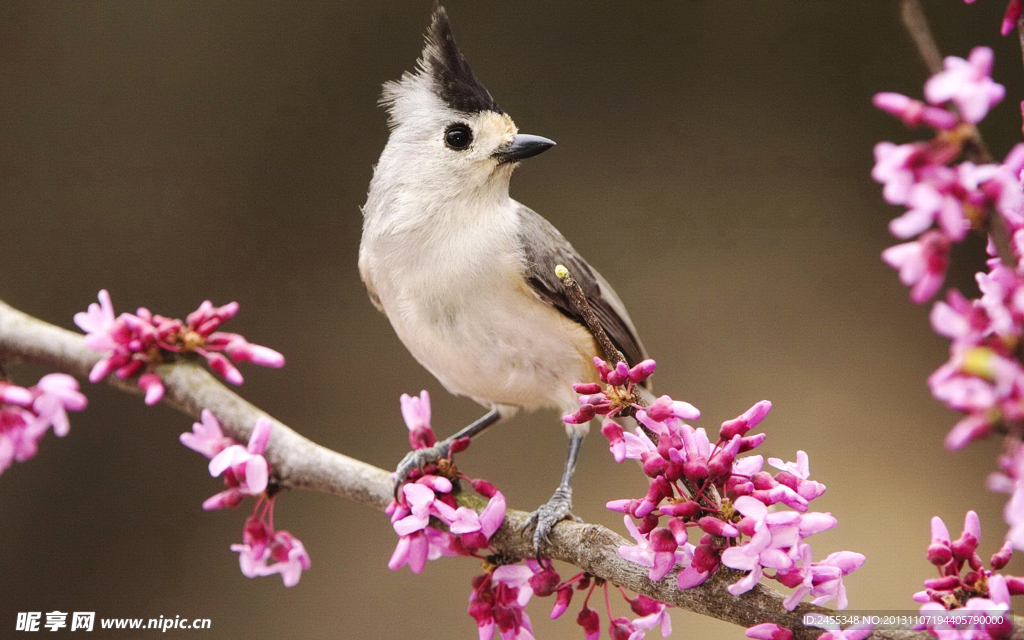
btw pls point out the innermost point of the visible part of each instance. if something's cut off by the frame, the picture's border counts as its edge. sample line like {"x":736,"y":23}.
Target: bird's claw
{"x":544,"y":519}
{"x":417,"y":459}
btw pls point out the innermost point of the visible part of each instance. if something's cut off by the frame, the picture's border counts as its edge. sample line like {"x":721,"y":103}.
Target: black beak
{"x":523,"y":146}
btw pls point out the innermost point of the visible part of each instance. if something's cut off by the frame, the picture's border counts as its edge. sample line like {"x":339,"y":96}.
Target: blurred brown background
{"x":177,"y":151}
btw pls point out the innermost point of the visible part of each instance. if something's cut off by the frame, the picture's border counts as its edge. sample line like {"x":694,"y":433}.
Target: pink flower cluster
{"x":965,"y":584}
{"x":139,"y":341}
{"x":264,"y":551}
{"x":944,"y":199}
{"x":983,"y":376}
{"x":650,"y":614}
{"x":431,"y":494}
{"x":499,"y":597}
{"x":706,"y":488}
{"x":27,"y":414}
{"x":498,"y":603}
{"x":246,"y":472}
{"x":1013,"y":12}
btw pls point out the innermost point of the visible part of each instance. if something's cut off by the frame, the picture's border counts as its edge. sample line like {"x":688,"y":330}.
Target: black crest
{"x":453,"y":80}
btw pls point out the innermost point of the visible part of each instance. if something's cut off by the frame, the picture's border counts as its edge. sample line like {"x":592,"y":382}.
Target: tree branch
{"x":303,"y":464}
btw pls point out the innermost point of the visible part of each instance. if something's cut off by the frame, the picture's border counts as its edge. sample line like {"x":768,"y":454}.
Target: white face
{"x":433,"y":147}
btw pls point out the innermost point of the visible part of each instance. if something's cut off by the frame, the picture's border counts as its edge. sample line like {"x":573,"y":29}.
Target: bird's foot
{"x":417,"y":459}
{"x":544,"y":519}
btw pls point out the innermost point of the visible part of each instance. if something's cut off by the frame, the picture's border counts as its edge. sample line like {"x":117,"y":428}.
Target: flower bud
{"x":716,"y":527}
{"x":562,"y":600}
{"x":642,"y":371}
{"x":1002,"y":557}
{"x":663,"y":541}
{"x":654,"y":465}
{"x":591,"y":623}
{"x":685,"y":510}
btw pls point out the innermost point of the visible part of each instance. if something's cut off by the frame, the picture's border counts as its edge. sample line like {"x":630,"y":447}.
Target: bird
{"x":466,"y":274}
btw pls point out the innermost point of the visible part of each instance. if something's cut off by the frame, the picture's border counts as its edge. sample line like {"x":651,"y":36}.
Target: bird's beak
{"x":522,"y":146}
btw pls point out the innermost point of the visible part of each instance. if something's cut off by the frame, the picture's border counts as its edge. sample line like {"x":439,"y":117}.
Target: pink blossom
{"x":967,"y":84}
{"x":428,"y":544}
{"x":206,"y":436}
{"x":964,"y":583}
{"x":1011,"y":17}
{"x":914,"y":112}
{"x":769,"y":631}
{"x":827,"y":577}
{"x":665,"y":407}
{"x":416,"y":413}
{"x":264,"y":552}
{"x":430,"y":497}
{"x":27,"y":414}
{"x":993,"y":187}
{"x":13,"y":394}
{"x":767,"y":548}
{"x":498,"y":603}
{"x":658,"y":619}
{"x":56,"y":394}
{"x":616,"y":441}
{"x":422,"y":502}
{"x":245,"y":470}
{"x":591,"y":623}
{"x":97,"y":321}
{"x":137,"y":343}
{"x":959,"y":318}
{"x":896,"y":167}
{"x":798,"y":476}
{"x":660,"y":554}
{"x":922,"y":264}
{"x":746,"y":421}
{"x":484,"y":524}
{"x":684,"y":462}
{"x":927,"y":204}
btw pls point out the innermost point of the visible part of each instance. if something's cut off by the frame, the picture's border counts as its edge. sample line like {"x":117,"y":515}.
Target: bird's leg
{"x":418,"y":458}
{"x":557,"y":508}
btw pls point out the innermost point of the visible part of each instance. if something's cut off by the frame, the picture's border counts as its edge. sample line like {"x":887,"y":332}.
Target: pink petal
{"x":260,"y":436}
{"x":256,"y":474}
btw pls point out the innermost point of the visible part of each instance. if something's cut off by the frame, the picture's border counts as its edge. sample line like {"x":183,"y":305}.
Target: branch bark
{"x":303,"y":464}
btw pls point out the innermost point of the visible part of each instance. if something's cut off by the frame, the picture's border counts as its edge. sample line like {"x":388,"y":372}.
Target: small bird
{"x":466,"y":274}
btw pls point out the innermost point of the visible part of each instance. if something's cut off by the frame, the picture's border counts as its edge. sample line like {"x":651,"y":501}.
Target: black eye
{"x":458,"y":137}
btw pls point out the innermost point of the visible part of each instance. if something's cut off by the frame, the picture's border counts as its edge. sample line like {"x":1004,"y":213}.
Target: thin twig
{"x":303,"y":464}
{"x":916,"y":23}
{"x":975,"y":149}
{"x":581,"y":305}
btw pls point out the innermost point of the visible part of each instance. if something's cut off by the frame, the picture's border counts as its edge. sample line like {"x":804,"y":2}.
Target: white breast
{"x":455,"y":296}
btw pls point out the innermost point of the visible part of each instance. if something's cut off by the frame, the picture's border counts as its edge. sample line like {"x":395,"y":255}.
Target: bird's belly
{"x":508,"y":349}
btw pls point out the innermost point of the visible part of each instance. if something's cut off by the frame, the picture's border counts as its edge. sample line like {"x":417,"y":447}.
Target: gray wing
{"x":545,"y":248}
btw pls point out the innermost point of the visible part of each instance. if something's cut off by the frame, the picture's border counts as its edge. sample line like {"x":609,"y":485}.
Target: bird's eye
{"x":458,"y":137}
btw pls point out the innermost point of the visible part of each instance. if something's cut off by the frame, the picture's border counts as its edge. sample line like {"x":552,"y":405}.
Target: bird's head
{"x":447,"y":132}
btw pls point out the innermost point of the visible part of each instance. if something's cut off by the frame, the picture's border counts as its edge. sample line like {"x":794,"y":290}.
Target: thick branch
{"x":303,"y":464}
